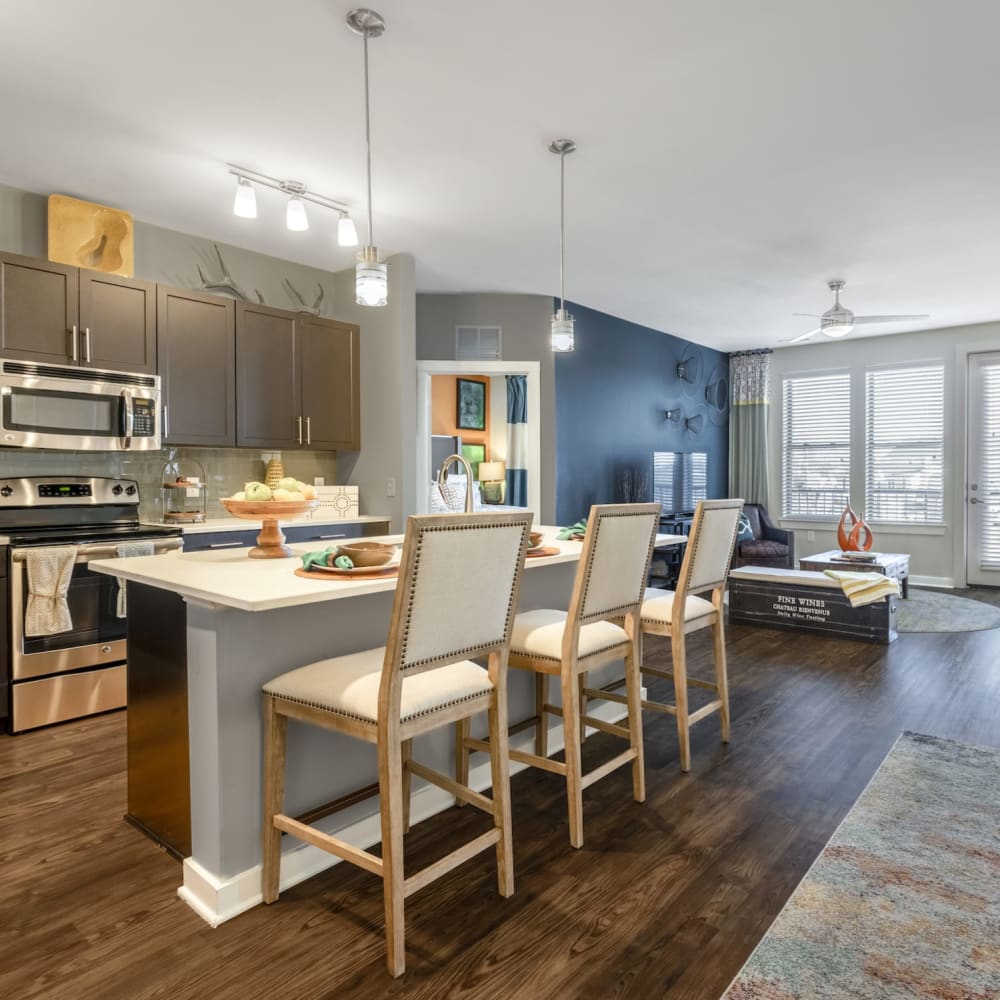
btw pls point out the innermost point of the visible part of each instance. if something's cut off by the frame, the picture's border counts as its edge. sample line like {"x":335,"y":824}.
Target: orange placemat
{"x":375,"y":573}
{"x":542,"y":552}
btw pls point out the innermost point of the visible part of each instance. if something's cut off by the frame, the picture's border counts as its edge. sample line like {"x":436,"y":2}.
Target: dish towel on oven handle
{"x":50,"y":570}
{"x":128,"y":550}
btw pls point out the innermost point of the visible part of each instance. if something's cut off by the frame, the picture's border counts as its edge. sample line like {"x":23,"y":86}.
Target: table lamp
{"x":492,"y":475}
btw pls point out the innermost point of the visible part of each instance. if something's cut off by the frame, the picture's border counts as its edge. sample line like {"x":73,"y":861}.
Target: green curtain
{"x":750,"y":378}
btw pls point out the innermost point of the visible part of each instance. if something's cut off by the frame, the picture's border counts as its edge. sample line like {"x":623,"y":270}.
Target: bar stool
{"x":707,"y":558}
{"x":610,"y":579}
{"x":455,"y":599}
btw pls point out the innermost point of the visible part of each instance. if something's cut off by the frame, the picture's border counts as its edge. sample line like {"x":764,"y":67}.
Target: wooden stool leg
{"x":406,"y":757}
{"x":583,"y":706}
{"x":500,"y":767}
{"x":632,"y":684}
{"x":542,"y":729}
{"x":678,"y":649}
{"x":721,"y":677}
{"x":390,"y":780}
{"x":275,"y":730}
{"x":574,"y":766}
{"x":461,"y":756}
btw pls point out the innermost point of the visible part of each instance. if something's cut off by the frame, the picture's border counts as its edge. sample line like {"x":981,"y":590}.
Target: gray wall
{"x":525,"y":323}
{"x":936,"y":553}
{"x":388,"y":369}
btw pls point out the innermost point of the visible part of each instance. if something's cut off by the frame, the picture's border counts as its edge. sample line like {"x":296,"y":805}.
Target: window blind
{"x":989,"y":480}
{"x":695,"y":478}
{"x":904,"y":445}
{"x":816,"y":452}
{"x":663,"y":480}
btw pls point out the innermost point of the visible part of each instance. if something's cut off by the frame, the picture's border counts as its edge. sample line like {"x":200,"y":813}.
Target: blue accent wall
{"x":611,"y":396}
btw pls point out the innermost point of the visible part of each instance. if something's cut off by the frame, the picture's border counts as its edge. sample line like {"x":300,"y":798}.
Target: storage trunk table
{"x":895,"y":565}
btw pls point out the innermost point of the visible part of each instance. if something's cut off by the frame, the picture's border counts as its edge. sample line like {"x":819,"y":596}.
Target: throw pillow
{"x":745,"y":534}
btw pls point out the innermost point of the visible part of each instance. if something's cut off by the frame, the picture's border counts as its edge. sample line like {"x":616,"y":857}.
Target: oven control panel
{"x":143,"y":417}
{"x":65,"y":490}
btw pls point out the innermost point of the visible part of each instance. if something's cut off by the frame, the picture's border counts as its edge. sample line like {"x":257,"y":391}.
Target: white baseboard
{"x":218,"y":900}
{"x":942,"y":582}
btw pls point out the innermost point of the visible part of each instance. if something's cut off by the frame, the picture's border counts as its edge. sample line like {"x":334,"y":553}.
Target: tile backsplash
{"x":226,"y":469}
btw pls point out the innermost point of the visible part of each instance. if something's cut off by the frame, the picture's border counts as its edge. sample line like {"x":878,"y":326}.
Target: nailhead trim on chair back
{"x":710,"y":545}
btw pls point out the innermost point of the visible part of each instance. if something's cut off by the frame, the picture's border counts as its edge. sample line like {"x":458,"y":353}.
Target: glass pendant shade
{"x":371,"y":281}
{"x":562,"y":332}
{"x":245,"y":202}
{"x":837,"y":330}
{"x":347,"y":234}
{"x":295,"y":215}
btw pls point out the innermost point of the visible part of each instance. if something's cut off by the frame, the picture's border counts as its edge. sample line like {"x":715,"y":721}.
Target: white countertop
{"x":238,"y":524}
{"x":227,"y":577}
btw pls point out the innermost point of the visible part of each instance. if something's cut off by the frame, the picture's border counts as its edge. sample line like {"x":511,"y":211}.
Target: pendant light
{"x":562,"y":322}
{"x":371,"y":283}
{"x":245,"y":202}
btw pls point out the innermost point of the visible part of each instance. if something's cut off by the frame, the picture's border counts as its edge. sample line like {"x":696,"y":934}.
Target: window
{"x":663,"y":480}
{"x":694,"y":478}
{"x":904,"y":445}
{"x":816,"y":457}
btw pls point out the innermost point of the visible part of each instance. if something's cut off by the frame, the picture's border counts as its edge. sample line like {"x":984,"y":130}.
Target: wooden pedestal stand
{"x":271,"y":540}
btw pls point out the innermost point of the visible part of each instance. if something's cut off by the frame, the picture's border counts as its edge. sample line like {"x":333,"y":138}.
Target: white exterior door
{"x":983,"y":488}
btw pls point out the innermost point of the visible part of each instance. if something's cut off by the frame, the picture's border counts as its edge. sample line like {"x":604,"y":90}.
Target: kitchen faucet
{"x":443,"y":478}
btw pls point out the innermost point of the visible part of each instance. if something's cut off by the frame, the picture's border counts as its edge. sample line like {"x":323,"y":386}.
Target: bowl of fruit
{"x":259,"y":502}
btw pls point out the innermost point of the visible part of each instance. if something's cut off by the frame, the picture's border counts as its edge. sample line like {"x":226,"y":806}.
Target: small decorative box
{"x":337,"y":501}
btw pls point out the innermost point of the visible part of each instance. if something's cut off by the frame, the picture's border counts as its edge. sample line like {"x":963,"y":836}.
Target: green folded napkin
{"x":310,"y":559}
{"x":580,"y":528}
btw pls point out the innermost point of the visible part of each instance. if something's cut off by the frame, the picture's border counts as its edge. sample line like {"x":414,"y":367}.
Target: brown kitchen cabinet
{"x":196,"y":359}
{"x":298,"y":380}
{"x":39,"y":310}
{"x":56,"y":314}
{"x":330,"y":365}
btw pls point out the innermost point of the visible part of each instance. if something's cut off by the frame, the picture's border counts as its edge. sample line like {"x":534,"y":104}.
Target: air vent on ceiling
{"x":478,"y":343}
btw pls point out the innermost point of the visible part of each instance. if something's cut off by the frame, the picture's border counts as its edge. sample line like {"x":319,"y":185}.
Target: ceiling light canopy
{"x":296,"y":218}
{"x":371,"y":282}
{"x":562,"y":333}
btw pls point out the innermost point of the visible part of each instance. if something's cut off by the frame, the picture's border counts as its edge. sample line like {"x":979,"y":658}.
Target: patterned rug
{"x":933,"y":611}
{"x":904,"y":902}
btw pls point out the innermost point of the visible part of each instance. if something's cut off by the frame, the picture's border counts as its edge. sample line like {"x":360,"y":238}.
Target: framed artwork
{"x":471,"y":414}
{"x":87,"y":235}
{"x":474,"y":453}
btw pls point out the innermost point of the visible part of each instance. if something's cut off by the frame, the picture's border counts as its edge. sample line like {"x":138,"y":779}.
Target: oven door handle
{"x":127,"y":418}
{"x":86,"y":553}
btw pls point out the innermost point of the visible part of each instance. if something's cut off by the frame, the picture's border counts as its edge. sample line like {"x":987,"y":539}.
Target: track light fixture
{"x":296,"y":219}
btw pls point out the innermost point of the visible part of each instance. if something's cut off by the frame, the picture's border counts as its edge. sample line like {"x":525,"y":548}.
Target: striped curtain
{"x":750,"y":377}
{"x":517,"y":440}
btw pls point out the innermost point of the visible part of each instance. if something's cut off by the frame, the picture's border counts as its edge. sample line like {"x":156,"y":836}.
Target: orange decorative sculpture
{"x":853,"y":535}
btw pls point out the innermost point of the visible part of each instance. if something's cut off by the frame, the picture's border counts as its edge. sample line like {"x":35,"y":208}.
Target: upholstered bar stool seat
{"x":540,"y":634}
{"x":658,"y":607}
{"x":349,"y":685}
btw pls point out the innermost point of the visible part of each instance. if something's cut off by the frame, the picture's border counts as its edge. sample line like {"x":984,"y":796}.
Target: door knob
{"x":975,"y":500}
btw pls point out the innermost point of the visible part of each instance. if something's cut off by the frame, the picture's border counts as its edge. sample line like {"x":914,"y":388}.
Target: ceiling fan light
{"x":371,"y":279}
{"x":245,"y":202}
{"x":347,"y":234}
{"x":295,"y":215}
{"x":562,"y":333}
{"x":838,"y":330}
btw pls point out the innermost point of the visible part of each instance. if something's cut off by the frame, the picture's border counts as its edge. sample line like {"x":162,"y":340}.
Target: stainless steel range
{"x":67,"y":674}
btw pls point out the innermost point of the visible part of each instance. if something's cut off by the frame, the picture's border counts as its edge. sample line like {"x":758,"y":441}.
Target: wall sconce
{"x":674,"y":416}
{"x":693,"y":425}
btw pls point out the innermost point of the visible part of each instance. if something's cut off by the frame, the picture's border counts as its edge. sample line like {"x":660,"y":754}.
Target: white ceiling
{"x":732,"y":156}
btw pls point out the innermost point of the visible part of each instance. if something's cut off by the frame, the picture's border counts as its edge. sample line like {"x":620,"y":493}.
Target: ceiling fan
{"x":838,"y":321}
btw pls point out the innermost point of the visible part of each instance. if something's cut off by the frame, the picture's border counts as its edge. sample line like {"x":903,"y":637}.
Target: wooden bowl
{"x":271,"y":540}
{"x":535,"y":539}
{"x":368,"y":553}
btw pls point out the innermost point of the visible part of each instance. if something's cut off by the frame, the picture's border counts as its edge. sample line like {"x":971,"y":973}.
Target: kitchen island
{"x":206,"y":630}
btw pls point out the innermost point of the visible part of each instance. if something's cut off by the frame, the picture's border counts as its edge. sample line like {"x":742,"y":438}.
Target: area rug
{"x":933,"y":611}
{"x":904,"y":902}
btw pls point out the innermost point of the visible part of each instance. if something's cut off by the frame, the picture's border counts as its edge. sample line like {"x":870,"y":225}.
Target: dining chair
{"x":676,"y":614}
{"x":610,"y":579}
{"x":455,"y":599}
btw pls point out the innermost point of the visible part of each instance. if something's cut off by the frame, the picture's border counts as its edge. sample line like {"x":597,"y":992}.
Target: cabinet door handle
{"x":298,"y":422}
{"x":166,"y":421}
{"x":309,"y":436}
{"x":86,"y":344}
{"x":74,"y":346}
{"x":324,"y":538}
{"x":225,"y":545}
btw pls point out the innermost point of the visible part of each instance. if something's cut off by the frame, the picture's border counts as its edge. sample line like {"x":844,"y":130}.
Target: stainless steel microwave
{"x":77,"y":409}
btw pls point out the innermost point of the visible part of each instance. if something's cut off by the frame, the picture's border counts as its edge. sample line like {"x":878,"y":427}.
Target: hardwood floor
{"x":666,"y":899}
